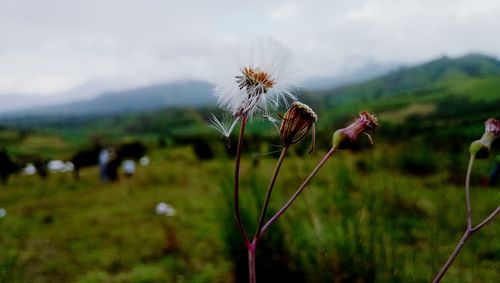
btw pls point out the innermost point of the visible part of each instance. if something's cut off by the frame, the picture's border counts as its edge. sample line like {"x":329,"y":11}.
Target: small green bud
{"x":479,"y":150}
{"x":340,"y":140}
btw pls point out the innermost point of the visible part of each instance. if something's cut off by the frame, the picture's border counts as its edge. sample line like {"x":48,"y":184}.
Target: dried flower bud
{"x":481,"y":148}
{"x":297,"y":122}
{"x":345,"y":137}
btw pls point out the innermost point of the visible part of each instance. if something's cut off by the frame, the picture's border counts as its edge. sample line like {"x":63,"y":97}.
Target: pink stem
{"x":251,"y":266}
{"x":237,"y":214}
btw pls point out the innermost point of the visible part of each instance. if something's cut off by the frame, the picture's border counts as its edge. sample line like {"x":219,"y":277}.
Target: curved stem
{"x":268,"y":194}
{"x":467,"y":192}
{"x":470,"y":229}
{"x":299,"y":190}
{"x":237,"y":183}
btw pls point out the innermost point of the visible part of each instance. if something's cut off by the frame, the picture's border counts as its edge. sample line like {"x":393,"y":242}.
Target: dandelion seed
{"x":224,"y":126}
{"x":273,"y":121}
{"x":257,"y":83}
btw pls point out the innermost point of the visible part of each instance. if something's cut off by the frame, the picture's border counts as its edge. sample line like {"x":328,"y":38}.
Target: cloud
{"x":54,"y":45}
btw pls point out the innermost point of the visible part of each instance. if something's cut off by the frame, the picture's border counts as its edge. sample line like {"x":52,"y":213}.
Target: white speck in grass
{"x":3,"y":212}
{"x":144,"y":161}
{"x":165,"y":209}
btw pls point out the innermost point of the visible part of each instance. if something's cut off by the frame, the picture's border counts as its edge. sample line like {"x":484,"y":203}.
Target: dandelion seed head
{"x":257,"y":80}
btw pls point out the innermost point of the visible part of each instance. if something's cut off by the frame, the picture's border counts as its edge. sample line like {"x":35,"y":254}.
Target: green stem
{"x":470,"y":229}
{"x":268,"y":194}
{"x":299,"y":190}
{"x":467,"y":192}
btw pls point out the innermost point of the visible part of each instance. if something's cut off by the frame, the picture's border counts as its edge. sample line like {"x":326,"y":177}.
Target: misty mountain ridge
{"x":428,"y":75}
{"x":199,"y":94}
{"x":366,"y":72}
{"x":179,"y":94}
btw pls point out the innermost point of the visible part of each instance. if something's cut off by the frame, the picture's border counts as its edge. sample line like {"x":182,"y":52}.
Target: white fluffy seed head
{"x":258,"y":79}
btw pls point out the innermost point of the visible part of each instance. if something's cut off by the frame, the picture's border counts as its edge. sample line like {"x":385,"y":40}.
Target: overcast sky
{"x":51,"y":46}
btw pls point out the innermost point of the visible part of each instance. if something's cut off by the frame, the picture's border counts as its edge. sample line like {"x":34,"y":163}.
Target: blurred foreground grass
{"x":360,"y":220}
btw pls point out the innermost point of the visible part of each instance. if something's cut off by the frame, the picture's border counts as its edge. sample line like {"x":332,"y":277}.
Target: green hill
{"x":435,"y":95}
{"x":435,"y":74}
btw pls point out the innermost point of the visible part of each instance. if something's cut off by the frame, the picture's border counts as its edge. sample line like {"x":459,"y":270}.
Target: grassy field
{"x":388,"y":213}
{"x":361,"y":220}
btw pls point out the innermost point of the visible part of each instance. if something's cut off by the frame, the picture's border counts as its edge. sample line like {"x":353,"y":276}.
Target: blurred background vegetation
{"x":391,"y":212}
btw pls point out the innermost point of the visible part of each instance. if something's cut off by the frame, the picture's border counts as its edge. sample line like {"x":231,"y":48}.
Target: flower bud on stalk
{"x":297,"y":122}
{"x":345,"y":137}
{"x":481,"y":148}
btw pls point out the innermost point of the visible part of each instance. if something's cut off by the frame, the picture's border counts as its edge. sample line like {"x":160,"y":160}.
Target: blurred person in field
{"x":108,"y":164}
{"x":103,"y":164}
{"x":112,"y":166}
{"x":495,"y":172}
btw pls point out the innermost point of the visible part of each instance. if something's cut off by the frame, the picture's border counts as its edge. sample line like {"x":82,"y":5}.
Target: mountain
{"x":430,"y":75}
{"x":366,"y":72}
{"x":448,"y":95}
{"x":87,"y":90}
{"x":180,"y":94}
{"x":15,"y":102}
{"x":470,"y":75}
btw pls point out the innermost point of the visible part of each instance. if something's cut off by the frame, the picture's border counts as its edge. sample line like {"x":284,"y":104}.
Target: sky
{"x":53,"y":46}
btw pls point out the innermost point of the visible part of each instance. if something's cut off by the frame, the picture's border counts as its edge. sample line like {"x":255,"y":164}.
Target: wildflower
{"x":481,"y":148}
{"x":258,"y":82}
{"x":297,"y":122}
{"x":3,"y":212}
{"x":345,"y":137}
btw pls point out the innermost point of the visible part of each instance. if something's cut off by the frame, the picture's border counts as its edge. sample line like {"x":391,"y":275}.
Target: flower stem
{"x":299,"y":190}
{"x":251,"y":266}
{"x":237,"y":214}
{"x":487,"y":219}
{"x":467,"y":192}
{"x":458,"y":248}
{"x":470,"y":229}
{"x":268,"y":194}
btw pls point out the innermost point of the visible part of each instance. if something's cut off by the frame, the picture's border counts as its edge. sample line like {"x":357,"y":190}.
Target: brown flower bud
{"x":345,"y":137}
{"x":297,"y":122}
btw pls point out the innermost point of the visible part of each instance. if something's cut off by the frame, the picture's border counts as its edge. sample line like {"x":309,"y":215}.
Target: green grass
{"x":389,"y":214}
{"x":354,"y":223}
